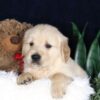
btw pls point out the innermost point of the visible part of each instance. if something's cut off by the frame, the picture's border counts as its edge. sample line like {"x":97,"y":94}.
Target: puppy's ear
{"x":65,"y":50}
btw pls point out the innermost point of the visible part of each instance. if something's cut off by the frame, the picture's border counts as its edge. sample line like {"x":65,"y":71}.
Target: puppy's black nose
{"x":36,"y":57}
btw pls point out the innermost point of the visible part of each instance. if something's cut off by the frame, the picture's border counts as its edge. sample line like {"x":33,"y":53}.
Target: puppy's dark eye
{"x":31,"y":43}
{"x":48,"y":46}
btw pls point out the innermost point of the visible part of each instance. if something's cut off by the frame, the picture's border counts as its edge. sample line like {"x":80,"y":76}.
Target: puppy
{"x":47,"y":55}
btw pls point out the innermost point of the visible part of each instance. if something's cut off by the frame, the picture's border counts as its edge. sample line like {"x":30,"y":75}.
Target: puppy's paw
{"x":58,"y":91}
{"x":59,"y":84}
{"x":24,"y":78}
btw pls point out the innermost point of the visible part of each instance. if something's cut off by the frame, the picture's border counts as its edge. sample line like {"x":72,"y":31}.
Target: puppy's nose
{"x":36,"y":57}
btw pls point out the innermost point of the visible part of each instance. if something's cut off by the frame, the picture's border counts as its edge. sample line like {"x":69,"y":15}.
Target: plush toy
{"x":11,"y":34}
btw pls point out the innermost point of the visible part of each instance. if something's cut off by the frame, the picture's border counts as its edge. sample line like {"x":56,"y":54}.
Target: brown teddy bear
{"x":11,"y":34}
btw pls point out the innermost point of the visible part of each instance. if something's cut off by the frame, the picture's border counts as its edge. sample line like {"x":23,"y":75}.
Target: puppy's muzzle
{"x":36,"y":58}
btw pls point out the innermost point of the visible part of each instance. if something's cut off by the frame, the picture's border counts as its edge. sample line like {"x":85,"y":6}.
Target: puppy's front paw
{"x":58,"y":91}
{"x":24,"y":78}
{"x":59,"y":84}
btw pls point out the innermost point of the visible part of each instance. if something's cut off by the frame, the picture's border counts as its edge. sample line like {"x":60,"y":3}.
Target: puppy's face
{"x":43,"y":46}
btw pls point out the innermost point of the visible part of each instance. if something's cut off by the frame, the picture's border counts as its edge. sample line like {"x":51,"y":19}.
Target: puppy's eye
{"x":31,"y":44}
{"x":48,"y":46}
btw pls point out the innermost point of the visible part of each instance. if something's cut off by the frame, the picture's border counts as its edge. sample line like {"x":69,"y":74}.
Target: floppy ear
{"x":65,"y":50}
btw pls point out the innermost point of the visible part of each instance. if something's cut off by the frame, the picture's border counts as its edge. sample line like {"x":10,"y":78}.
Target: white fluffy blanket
{"x":79,"y":89}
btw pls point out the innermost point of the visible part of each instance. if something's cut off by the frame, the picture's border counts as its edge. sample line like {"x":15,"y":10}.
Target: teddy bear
{"x":11,"y":35}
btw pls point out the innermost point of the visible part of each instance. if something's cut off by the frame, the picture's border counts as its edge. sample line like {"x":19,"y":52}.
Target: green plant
{"x":97,"y":96}
{"x":80,"y":54}
{"x":93,"y":59}
{"x":96,"y":85}
{"x":91,"y":63}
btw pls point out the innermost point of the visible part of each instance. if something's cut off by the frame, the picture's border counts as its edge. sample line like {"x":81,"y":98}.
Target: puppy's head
{"x":44,"y":45}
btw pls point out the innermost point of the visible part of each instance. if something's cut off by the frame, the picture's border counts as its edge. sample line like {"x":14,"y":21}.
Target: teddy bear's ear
{"x":65,"y":50}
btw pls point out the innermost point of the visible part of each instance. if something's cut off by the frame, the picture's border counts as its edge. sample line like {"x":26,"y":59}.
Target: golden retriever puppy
{"x":47,"y":55}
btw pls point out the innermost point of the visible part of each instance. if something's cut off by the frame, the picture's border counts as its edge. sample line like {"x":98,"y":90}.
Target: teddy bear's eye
{"x":48,"y":46}
{"x":18,"y":34}
{"x":31,"y":44}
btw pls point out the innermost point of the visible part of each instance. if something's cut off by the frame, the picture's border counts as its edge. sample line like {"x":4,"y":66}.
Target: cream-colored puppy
{"x":47,"y":55}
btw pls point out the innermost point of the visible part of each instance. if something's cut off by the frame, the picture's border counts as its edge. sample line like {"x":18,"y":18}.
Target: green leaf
{"x":76,"y":30}
{"x":84,"y":29}
{"x":93,"y":58}
{"x":80,"y":54}
{"x":97,"y":83}
{"x":96,"y":86}
{"x":97,"y":95}
{"x":98,"y":35}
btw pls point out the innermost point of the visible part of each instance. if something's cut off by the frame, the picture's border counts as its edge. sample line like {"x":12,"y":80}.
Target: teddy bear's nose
{"x":15,"y":40}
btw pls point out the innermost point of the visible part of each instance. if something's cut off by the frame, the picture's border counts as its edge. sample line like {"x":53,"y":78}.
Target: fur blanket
{"x":79,"y":89}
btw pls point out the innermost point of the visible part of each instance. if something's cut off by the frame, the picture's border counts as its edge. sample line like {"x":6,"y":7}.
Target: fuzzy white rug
{"x":79,"y":89}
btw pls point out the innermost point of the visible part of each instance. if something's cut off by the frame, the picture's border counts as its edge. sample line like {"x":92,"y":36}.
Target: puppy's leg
{"x":59,"y":84}
{"x":25,"y":78}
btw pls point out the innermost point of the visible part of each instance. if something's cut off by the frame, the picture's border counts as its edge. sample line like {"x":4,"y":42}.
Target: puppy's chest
{"x":39,"y":73}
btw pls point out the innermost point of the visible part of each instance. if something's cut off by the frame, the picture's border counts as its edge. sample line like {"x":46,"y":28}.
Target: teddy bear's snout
{"x":15,"y":39}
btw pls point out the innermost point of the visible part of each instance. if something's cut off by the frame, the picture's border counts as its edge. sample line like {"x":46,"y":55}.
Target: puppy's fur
{"x":54,"y":60}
